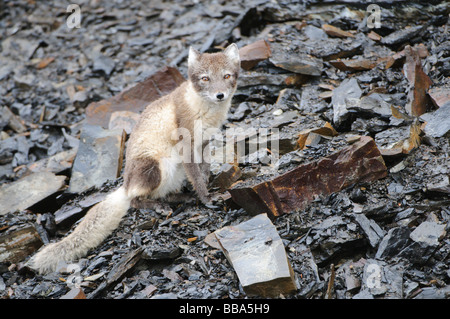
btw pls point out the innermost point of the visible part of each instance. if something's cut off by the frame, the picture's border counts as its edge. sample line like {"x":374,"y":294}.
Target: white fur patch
{"x":119,"y":198}
{"x":172,"y":176}
{"x":193,"y":57}
{"x":211,"y":114}
{"x":232,"y":52}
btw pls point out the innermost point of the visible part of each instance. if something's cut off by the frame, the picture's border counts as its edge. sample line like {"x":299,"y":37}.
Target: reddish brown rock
{"x":229,"y":174}
{"x":17,"y":245}
{"x":399,"y":57}
{"x":136,"y":98}
{"x":354,"y":65}
{"x":336,"y":32}
{"x":43,"y":63}
{"x":303,"y":136}
{"x":419,"y":102}
{"x":374,"y":36}
{"x":360,"y":162}
{"x":440,"y":95}
{"x":253,"y":53}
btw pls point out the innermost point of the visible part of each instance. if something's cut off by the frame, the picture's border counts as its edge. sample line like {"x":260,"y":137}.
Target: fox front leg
{"x":205,"y":165}
{"x":197,"y":179}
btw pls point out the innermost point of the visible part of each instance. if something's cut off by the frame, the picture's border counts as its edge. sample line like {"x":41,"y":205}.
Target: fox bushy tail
{"x":99,"y":223}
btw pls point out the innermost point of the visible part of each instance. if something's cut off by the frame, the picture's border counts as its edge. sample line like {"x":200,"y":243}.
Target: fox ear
{"x":232,"y":52}
{"x":194,"y":55}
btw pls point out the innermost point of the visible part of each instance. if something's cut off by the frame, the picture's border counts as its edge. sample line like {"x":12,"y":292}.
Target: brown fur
{"x":143,"y":173}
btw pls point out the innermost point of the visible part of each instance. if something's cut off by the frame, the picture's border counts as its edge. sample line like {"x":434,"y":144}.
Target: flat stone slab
{"x":429,"y":233}
{"x":136,"y":98}
{"x":99,"y":157}
{"x":17,"y":245}
{"x":28,"y":191}
{"x":360,"y":162}
{"x":253,"y":53}
{"x":438,"y":122}
{"x":258,"y":256}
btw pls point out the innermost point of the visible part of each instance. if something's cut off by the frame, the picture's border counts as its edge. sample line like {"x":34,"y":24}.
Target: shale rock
{"x":346,"y":95}
{"x":136,"y":98}
{"x":99,"y":158}
{"x":257,"y":254}
{"x":17,"y":245}
{"x":37,"y":186}
{"x":360,"y":162}
{"x":381,"y":280}
{"x":253,"y":53}
{"x":438,"y":122}
{"x":373,"y":232}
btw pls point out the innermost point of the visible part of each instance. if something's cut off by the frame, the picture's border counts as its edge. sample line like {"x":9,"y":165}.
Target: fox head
{"x":214,"y":75}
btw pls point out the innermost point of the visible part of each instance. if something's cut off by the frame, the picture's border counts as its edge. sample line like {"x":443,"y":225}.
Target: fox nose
{"x":220,"y":96}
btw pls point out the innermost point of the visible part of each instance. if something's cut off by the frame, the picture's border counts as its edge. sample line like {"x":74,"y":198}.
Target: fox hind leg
{"x":141,"y":177}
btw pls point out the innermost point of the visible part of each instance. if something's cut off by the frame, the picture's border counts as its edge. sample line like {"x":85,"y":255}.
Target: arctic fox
{"x":152,"y":171}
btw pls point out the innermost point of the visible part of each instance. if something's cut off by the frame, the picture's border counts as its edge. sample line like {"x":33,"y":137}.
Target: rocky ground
{"x":329,"y":78}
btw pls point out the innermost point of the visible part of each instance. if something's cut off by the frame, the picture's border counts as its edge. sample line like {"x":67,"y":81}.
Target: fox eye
{"x":226,"y":76}
{"x":205,"y":78}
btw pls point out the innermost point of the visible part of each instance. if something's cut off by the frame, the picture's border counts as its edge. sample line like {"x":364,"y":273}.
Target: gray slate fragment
{"x":373,"y":232}
{"x":99,"y":158}
{"x":258,"y":256}
{"x":434,"y":293}
{"x":401,"y":36}
{"x":80,"y":99}
{"x":374,"y":104}
{"x":425,"y":240}
{"x":310,"y":281}
{"x":381,"y":280}
{"x":363,"y":294}
{"x":297,"y":63}
{"x":68,"y":213}
{"x":9,"y":118}
{"x":15,"y":147}
{"x":140,"y":41}
{"x":23,"y":49}
{"x":438,"y":122}
{"x":28,"y":191}
{"x":395,"y":240}
{"x":333,"y":237}
{"x":428,"y":233}
{"x":345,"y":96}
{"x":104,"y":64}
{"x":404,"y":214}
{"x":158,"y":254}
{"x":240,"y":112}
